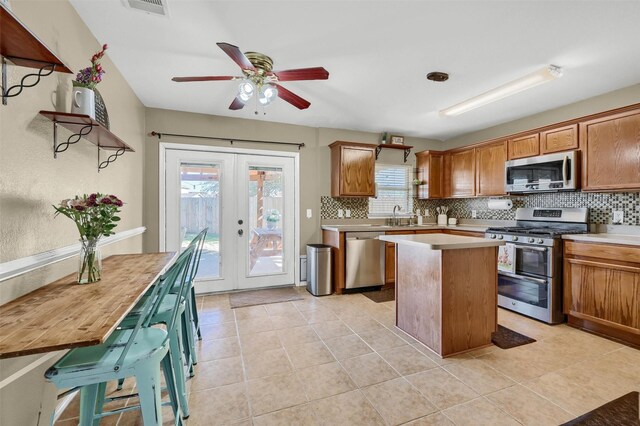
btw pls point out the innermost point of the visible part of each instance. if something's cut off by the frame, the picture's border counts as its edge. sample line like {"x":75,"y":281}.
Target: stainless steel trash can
{"x":319,"y":275}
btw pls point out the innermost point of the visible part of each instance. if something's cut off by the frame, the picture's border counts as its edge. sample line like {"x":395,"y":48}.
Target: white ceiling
{"x":378,"y":54}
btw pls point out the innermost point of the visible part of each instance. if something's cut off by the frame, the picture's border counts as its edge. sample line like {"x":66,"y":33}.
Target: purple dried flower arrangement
{"x":89,"y":77}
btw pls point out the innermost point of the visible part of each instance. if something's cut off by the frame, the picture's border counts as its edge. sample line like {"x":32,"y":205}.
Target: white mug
{"x":83,"y":101}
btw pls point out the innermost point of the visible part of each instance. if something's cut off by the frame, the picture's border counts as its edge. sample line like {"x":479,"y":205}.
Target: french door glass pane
{"x":266,"y":207}
{"x":200,"y":208}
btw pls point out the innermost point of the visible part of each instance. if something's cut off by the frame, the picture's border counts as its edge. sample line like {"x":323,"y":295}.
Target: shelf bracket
{"x":110,"y":159}
{"x":45,"y":70}
{"x":406,"y":154}
{"x":74,"y":138}
{"x":378,"y":149}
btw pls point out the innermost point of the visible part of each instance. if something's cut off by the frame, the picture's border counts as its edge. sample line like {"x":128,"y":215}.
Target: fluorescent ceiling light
{"x":547,"y":73}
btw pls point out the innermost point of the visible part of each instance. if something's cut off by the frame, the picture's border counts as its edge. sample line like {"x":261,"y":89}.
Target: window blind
{"x":393,"y":184}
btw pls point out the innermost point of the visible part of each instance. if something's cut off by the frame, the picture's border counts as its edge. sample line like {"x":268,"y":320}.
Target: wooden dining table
{"x":66,"y":315}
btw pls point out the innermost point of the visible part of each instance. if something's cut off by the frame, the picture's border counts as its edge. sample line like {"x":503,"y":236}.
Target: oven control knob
{"x":492,"y":236}
{"x":540,"y":241}
{"x":500,"y":237}
{"x":514,"y":238}
{"x":530,"y":240}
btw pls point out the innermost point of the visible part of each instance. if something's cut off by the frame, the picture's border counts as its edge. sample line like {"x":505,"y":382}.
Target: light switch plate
{"x":347,"y":213}
{"x":474,"y":214}
{"x":309,"y":214}
{"x":340,"y":213}
{"x":618,"y":216}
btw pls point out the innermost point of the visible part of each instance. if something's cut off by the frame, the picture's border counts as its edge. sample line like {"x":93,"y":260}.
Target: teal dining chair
{"x":139,"y":352}
{"x":191,"y":323}
{"x":179,"y":341}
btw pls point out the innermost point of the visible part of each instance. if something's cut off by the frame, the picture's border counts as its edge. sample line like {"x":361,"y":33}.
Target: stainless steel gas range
{"x":530,"y":265}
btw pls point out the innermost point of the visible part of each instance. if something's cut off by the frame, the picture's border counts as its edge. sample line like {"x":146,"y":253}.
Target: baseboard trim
{"x":23,"y":265}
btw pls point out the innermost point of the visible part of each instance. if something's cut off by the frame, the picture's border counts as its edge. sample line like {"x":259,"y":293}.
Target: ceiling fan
{"x":260,"y":78}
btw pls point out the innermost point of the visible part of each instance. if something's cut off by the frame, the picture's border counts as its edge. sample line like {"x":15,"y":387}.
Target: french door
{"x":247,"y":202}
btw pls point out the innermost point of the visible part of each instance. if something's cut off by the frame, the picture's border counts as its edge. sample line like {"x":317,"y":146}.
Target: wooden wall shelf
{"x":405,"y":148}
{"x":84,"y":127}
{"x":20,"y":46}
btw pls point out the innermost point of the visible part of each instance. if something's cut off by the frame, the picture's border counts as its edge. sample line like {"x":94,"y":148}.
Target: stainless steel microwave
{"x":544,"y":173}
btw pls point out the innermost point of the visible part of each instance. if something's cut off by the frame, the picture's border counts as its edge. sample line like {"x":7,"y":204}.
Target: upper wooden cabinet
{"x":430,"y":165}
{"x":524,"y":146}
{"x":490,"y":161}
{"x":560,"y":139}
{"x":463,"y":173}
{"x":352,"y":169}
{"x":611,"y":152}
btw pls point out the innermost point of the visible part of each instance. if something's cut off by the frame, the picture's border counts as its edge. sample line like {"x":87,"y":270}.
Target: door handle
{"x":522,"y":277}
{"x":240,"y":232}
{"x":564,"y":170}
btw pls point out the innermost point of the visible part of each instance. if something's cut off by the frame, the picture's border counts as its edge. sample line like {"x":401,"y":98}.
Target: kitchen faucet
{"x":395,"y":220}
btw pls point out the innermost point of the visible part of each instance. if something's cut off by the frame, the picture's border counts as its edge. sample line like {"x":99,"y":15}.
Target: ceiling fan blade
{"x":292,"y":98}
{"x":204,"y":78}
{"x":236,"y":104}
{"x":237,"y":56}
{"x":317,"y":73}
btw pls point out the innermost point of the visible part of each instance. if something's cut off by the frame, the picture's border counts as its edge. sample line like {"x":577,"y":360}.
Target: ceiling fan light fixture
{"x":246,"y":90}
{"x":544,"y":75}
{"x":267,"y":94}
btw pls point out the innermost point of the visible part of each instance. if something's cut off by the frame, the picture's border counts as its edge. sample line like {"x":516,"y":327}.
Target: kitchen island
{"x":446,"y":290}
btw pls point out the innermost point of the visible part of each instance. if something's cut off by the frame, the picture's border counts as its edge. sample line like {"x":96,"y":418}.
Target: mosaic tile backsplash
{"x":601,"y":206}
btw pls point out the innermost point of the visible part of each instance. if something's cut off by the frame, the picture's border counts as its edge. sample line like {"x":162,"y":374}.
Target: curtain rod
{"x":231,"y":140}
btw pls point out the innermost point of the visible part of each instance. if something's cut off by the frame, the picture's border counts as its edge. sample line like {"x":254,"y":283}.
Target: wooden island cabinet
{"x":602,"y":289}
{"x":352,"y":169}
{"x":446,"y":290}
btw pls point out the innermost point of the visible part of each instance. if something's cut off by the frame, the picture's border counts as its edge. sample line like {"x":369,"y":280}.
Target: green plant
{"x":273,"y":216}
{"x":95,"y":215}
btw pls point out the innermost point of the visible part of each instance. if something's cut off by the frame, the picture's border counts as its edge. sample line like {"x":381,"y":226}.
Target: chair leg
{"x":88,"y":395}
{"x":178,"y":366}
{"x":120,"y":383}
{"x":148,"y":383}
{"x":102,"y":389}
{"x":189,"y":340}
{"x":194,"y":312}
{"x":171,"y":386}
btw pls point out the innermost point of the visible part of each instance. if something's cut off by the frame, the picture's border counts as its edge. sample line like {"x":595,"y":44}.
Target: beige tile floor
{"x":339,"y":360}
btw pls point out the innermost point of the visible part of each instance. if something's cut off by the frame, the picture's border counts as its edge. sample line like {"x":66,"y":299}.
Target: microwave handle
{"x":535,"y":280}
{"x":564,"y":170}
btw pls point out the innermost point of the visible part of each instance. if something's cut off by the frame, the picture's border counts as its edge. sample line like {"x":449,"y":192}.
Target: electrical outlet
{"x":347,"y":213}
{"x":427,"y":213}
{"x":474,"y":214}
{"x":340,"y":213}
{"x":309,"y":214}
{"x":618,"y":216}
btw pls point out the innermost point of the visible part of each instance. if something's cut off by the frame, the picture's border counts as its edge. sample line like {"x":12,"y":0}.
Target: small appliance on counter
{"x":530,"y":267}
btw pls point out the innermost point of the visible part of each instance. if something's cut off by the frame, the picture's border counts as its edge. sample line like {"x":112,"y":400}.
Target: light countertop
{"x":608,"y":238}
{"x":378,"y":228}
{"x":441,"y":241}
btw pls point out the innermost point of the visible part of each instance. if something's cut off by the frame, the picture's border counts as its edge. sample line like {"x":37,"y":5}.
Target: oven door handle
{"x":532,"y":248}
{"x":522,"y":277}
{"x":564,"y":170}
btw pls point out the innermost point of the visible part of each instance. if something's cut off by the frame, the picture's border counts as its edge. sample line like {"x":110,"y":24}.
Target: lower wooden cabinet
{"x":602,"y":289}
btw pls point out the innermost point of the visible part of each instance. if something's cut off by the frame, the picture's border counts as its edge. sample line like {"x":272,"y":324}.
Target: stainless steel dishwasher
{"x":365,"y":260}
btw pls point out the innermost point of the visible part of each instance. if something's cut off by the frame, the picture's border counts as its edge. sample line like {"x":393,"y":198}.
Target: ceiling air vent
{"x":156,"y":7}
